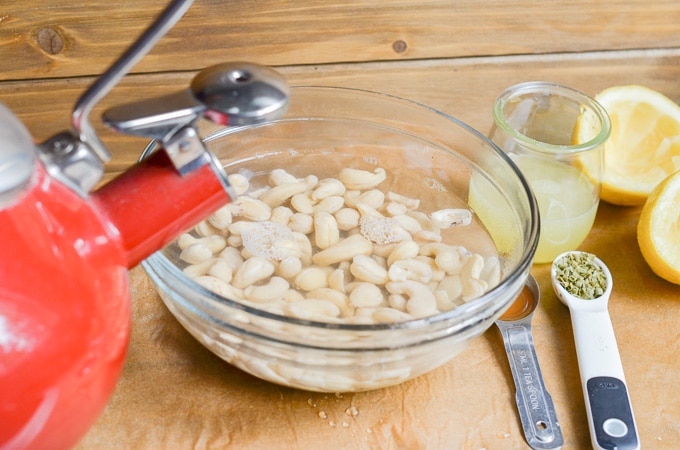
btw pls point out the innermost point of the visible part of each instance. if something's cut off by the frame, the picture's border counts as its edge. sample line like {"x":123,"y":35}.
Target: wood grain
{"x":50,"y":39}
{"x":464,"y":88}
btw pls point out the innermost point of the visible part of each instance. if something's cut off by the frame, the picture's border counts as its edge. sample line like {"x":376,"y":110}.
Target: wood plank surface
{"x":50,"y":39}
{"x":464,"y":88}
{"x":453,"y":55}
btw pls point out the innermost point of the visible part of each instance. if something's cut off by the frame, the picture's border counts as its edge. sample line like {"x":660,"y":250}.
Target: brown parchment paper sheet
{"x":174,"y":393}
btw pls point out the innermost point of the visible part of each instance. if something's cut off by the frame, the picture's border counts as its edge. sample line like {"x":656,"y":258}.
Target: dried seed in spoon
{"x":581,"y":276}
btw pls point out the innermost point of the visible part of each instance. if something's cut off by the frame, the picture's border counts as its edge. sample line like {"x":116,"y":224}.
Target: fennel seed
{"x":581,"y":276}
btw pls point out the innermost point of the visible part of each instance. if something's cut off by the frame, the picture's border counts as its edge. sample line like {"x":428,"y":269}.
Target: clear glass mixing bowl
{"x":427,"y":155}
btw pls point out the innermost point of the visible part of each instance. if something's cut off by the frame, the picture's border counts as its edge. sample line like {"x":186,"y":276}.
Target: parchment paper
{"x":174,"y":393}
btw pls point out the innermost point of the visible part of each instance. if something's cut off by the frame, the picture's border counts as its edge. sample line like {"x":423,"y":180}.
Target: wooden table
{"x":454,"y":56}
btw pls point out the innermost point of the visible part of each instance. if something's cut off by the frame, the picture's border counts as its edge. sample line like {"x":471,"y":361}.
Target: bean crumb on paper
{"x":352,"y":411}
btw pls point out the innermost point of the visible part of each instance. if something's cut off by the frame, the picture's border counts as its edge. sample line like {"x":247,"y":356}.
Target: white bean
{"x":326,"y":231}
{"x":452,"y":285}
{"x":397,"y":301}
{"x":277,"y":195}
{"x":237,"y":228}
{"x":251,"y":271}
{"x":403,"y":250}
{"x":302,"y":223}
{"x":251,"y":209}
{"x":278,"y":177}
{"x":275,"y":289}
{"x":410,"y":269}
{"x":336,"y":280}
{"x":338,"y":298}
{"x":313,"y":309}
{"x":492,"y":271}
{"x":256,"y":194}
{"x":311,"y":181}
{"x":410,"y":203}
{"x":328,"y":187}
{"x":232,"y":257}
{"x":367,"y":211}
{"x":445,"y":218}
{"x":373,"y":198}
{"x":366,"y":312}
{"x":424,"y":220}
{"x":204,"y":229}
{"x":473,"y":288}
{"x":305,"y":247}
{"x":352,"y":198}
{"x":444,"y":303}
{"x":215,"y":243}
{"x":473,"y":267}
{"x":221,"y":219}
{"x":437,"y":273}
{"x":384,"y":250}
{"x":390,"y":315}
{"x":282,"y":215}
{"x":239,"y":183}
{"x":408,"y":223}
{"x":356,"y":179}
{"x":222,"y":270}
{"x":289,"y":267}
{"x":365,"y":268}
{"x":185,"y":240}
{"x":448,"y":258}
{"x":219,"y":287}
{"x":366,"y":295}
{"x":347,"y":218}
{"x":425,"y":236}
{"x":196,"y":270}
{"x":329,"y":205}
{"x":302,"y":203}
{"x":344,"y":250}
{"x":395,"y":209}
{"x":293,"y":295}
{"x":421,"y":300}
{"x":235,"y":241}
{"x":196,"y":253}
{"x":311,"y":278}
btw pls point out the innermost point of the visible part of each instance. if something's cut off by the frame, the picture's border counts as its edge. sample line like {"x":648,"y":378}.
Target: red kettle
{"x":64,"y":298}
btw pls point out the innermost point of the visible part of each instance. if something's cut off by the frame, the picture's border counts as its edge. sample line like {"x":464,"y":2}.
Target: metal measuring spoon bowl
{"x":583,"y":283}
{"x":536,"y":409}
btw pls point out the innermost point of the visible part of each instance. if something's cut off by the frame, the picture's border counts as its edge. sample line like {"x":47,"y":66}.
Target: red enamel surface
{"x":64,"y":300}
{"x":64,"y":317}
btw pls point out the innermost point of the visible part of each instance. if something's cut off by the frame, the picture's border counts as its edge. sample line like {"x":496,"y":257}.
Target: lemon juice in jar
{"x":555,"y":135}
{"x":566,"y":201}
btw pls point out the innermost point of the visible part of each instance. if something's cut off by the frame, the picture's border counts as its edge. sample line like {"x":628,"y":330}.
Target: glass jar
{"x":556,"y":136}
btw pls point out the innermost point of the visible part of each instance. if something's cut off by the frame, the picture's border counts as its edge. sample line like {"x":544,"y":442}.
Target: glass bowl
{"x":426,"y":155}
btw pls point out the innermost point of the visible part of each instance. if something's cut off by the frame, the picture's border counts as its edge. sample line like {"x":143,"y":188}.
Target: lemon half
{"x":644,"y":146}
{"x":658,"y":230}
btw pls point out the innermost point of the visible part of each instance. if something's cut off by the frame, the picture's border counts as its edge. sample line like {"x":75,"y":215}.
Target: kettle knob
{"x":239,"y":94}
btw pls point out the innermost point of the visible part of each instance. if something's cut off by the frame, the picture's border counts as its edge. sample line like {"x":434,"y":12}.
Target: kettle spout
{"x":151,"y":203}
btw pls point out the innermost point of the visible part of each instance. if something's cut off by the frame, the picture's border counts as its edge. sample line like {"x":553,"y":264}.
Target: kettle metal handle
{"x":232,"y":94}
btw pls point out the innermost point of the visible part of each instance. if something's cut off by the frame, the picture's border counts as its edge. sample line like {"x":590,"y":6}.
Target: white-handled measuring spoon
{"x":534,"y":404}
{"x":583,"y":283}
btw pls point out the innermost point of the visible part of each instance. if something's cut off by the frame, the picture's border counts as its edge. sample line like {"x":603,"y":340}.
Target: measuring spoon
{"x":536,"y":408}
{"x":610,"y":413}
